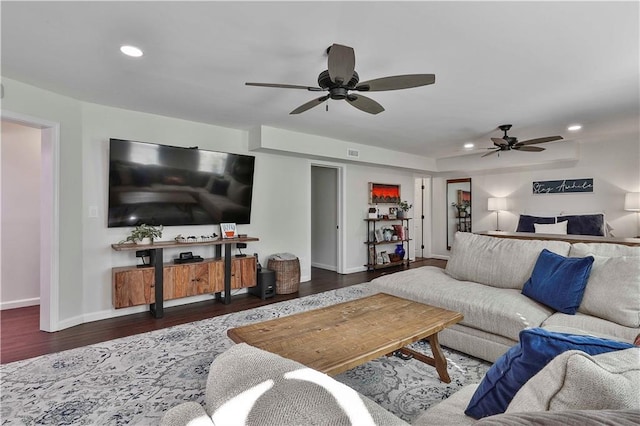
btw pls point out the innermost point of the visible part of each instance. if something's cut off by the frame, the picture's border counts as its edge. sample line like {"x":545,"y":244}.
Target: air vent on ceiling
{"x":353,"y":153}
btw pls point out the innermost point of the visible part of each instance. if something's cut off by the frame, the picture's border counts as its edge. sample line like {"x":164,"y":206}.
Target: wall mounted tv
{"x":169,"y":185}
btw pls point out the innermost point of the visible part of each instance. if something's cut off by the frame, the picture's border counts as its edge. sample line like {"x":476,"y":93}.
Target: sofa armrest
{"x":190,"y":413}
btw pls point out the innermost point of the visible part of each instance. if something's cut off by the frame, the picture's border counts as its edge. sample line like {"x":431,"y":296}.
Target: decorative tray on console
{"x":193,"y":239}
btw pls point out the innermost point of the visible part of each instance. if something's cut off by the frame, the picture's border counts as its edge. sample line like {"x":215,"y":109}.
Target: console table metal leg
{"x":227,"y":274}
{"x":155,"y":259}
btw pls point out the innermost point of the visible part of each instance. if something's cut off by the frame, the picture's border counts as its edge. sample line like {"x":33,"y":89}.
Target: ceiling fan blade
{"x":309,"y":105}
{"x":540,"y":140}
{"x":499,"y":142}
{"x":342,"y":62}
{"x":396,"y":82}
{"x":528,"y":148}
{"x":365,"y":104}
{"x":492,"y":152}
{"x":286,"y":86}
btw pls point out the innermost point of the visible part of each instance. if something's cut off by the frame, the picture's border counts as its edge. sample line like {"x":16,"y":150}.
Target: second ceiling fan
{"x":340,"y":79}
{"x":507,"y":143}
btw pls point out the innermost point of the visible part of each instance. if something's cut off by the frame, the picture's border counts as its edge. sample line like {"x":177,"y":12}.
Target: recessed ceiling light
{"x":468,"y":145}
{"x":131,"y":51}
{"x":574,"y":127}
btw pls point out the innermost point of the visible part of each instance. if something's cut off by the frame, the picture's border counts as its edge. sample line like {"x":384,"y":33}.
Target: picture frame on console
{"x":228,"y":230}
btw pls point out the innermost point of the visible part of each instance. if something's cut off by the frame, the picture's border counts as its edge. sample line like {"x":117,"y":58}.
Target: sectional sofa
{"x":484,"y":278}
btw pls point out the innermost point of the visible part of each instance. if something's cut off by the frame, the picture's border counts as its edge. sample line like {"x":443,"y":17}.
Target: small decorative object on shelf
{"x":228,"y":230}
{"x":143,"y":234}
{"x":400,"y":251}
{"x":373,"y":213}
{"x":403,"y":208}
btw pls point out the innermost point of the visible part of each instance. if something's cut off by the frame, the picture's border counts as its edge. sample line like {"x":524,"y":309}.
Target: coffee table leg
{"x":438,"y":361}
{"x":439,"y":358}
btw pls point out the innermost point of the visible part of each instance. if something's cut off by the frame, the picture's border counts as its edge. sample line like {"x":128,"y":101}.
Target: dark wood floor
{"x":20,"y":337}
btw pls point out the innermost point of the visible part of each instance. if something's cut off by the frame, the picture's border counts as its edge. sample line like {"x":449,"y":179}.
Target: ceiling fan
{"x":340,"y":78}
{"x":507,"y":143}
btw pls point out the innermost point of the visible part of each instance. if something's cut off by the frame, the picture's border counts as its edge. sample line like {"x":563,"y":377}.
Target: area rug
{"x":134,"y":380}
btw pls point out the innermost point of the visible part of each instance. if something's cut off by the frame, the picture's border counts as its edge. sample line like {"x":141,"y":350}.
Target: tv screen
{"x":168,"y":185}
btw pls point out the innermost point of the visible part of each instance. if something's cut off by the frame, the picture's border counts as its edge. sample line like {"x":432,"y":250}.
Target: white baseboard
{"x":19,"y":303}
{"x":440,"y":256}
{"x":323,"y":266}
{"x":355,"y":269}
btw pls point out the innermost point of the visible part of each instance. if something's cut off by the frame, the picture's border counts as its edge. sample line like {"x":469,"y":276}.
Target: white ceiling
{"x":538,"y":65}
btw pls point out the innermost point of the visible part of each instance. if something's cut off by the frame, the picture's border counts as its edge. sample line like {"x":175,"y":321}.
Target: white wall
{"x":613,"y":165}
{"x":20,"y":216}
{"x":324,"y":218}
{"x":27,"y":100}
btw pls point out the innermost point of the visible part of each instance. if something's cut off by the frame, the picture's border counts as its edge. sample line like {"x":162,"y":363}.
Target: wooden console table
{"x":561,"y":237}
{"x":156,"y":261}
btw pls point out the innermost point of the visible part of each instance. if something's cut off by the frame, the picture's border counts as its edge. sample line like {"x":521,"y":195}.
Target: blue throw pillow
{"x":513,"y":369}
{"x":559,"y":282}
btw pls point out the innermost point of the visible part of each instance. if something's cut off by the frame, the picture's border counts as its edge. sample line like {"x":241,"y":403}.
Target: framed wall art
{"x":384,"y":193}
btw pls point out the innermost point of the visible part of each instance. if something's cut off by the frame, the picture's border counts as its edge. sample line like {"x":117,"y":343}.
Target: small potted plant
{"x":461,"y":208}
{"x":144,"y":234}
{"x":403,"y":208}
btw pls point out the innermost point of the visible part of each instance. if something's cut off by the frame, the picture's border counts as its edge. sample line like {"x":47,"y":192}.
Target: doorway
{"x":46,"y":213}
{"x":327,"y":216}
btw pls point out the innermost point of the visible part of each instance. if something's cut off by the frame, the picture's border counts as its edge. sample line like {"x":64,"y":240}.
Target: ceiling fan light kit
{"x":508,"y":143}
{"x":340,"y":78}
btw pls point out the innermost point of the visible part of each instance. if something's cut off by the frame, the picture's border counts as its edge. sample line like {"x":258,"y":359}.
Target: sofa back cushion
{"x":604,"y":249}
{"x":247,"y":385}
{"x":498,"y":262}
{"x":575,"y":380}
{"x":613,"y":288}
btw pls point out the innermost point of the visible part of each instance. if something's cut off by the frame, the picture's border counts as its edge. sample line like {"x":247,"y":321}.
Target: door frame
{"x":49,"y":215}
{"x":341,"y":194}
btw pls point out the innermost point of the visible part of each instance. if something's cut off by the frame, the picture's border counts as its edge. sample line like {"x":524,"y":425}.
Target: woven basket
{"x":287,"y":274}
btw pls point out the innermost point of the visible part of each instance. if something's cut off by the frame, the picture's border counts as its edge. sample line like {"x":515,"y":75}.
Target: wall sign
{"x":563,"y":186}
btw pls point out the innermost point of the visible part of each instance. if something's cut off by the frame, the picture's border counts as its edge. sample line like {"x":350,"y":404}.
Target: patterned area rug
{"x":134,"y":380}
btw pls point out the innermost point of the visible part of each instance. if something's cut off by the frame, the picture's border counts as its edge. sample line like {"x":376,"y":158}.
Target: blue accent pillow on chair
{"x":512,"y":370}
{"x":559,"y":282}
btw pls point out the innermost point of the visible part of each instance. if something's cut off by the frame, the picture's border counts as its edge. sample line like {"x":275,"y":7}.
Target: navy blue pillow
{"x":513,"y":369}
{"x":584,"y":224}
{"x":525,"y":223}
{"x":559,"y":282}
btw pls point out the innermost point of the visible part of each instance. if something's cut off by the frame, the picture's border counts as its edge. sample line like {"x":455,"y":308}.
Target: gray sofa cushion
{"x":183,"y":414}
{"x":504,"y":312}
{"x":566,"y":418}
{"x":497,"y":262}
{"x":247,"y":385}
{"x":591,"y":325}
{"x":604,"y":249}
{"x":613,"y":289}
{"x":450,"y":411}
{"x":577,"y":381}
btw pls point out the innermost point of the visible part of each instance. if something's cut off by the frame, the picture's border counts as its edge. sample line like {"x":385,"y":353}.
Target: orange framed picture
{"x":384,"y":193}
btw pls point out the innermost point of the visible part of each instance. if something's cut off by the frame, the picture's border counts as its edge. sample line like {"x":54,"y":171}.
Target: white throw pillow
{"x":559,"y":228}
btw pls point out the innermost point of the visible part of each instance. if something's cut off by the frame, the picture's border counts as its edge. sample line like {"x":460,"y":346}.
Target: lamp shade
{"x":496,"y":204}
{"x":632,"y":201}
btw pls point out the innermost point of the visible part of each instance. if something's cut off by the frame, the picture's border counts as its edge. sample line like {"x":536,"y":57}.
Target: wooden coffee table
{"x":339,"y":337}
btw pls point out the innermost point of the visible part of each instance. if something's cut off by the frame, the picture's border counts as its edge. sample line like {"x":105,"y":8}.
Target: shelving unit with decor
{"x":374,"y":243}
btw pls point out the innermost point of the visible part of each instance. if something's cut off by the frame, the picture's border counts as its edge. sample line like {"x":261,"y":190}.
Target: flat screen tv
{"x":169,"y":185}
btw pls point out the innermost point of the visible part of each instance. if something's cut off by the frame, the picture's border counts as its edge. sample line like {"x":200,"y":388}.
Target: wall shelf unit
{"x":375,"y":241}
{"x":152,"y":285}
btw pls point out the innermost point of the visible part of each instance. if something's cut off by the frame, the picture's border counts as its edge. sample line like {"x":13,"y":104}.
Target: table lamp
{"x":632,"y":204}
{"x":495,"y":205}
